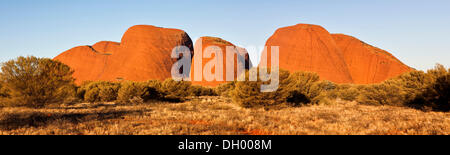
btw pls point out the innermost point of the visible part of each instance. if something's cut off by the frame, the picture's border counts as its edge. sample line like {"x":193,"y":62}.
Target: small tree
{"x":101,"y":91}
{"x":132,"y":91}
{"x":33,"y":81}
{"x":435,"y":96}
{"x":175,"y":90}
{"x":248,"y":93}
{"x":307,"y":88}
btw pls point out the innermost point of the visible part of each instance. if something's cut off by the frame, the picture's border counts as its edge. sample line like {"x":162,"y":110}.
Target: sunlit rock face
{"x":368,"y":64}
{"x":205,"y":45}
{"x":335,"y":57}
{"x":144,"y":53}
{"x":305,"y":47}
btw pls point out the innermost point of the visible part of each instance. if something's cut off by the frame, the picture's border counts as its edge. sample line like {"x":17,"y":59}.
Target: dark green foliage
{"x":248,"y":93}
{"x":382,"y":94}
{"x":3,"y":94}
{"x":175,"y":90}
{"x":306,"y":88}
{"x":101,"y":91}
{"x":345,"y":92}
{"x":202,"y":91}
{"x":225,"y":89}
{"x":35,"y":82}
{"x":416,"y":89}
{"x":436,"y":95}
{"x":134,"y":91}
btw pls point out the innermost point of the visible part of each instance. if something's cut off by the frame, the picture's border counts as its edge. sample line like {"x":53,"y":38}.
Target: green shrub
{"x":91,"y":95}
{"x":108,"y":93}
{"x":35,"y":82}
{"x":412,"y":83}
{"x":155,"y":84}
{"x":225,"y":89}
{"x":345,"y":92}
{"x":306,"y":88}
{"x":248,"y":93}
{"x":382,"y":94}
{"x":197,"y":90}
{"x":435,"y":95}
{"x":175,"y":90}
{"x":132,"y":91}
{"x":3,"y":94}
{"x":415,"y":89}
{"x":100,"y":91}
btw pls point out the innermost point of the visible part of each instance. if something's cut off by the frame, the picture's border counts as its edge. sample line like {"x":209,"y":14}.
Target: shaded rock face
{"x":205,"y":45}
{"x":143,"y":54}
{"x":311,"y":48}
{"x":368,"y":64}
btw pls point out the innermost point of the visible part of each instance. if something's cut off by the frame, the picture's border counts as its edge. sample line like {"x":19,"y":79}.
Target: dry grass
{"x":217,"y":116}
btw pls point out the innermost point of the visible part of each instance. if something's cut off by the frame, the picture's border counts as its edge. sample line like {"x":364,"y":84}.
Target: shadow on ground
{"x":40,"y":119}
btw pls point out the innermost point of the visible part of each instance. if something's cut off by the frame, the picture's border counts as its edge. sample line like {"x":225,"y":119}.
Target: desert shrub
{"x":396,"y":91}
{"x":248,"y":93}
{"x":382,"y":94}
{"x":415,"y":89}
{"x":35,"y":82}
{"x":306,"y":87}
{"x":3,"y":91}
{"x":412,"y":83}
{"x":175,"y":90}
{"x":225,"y":89}
{"x":3,"y":94}
{"x":91,"y":95}
{"x":435,"y":95}
{"x":345,"y":92}
{"x":100,"y":91}
{"x":131,"y":90}
{"x":197,"y":90}
{"x":154,"y":84}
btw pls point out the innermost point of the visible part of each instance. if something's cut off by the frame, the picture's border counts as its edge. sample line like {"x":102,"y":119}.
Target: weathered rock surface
{"x":205,"y":45}
{"x":335,"y":57}
{"x":368,"y":64}
{"x":143,"y":54}
{"x":311,"y":48}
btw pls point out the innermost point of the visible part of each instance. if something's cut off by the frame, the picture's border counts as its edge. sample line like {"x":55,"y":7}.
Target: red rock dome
{"x":368,"y":64}
{"x":143,"y":54}
{"x":311,"y":48}
{"x":205,"y":45}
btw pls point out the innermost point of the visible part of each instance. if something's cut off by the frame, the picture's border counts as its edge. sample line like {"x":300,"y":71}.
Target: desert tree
{"x":35,"y":82}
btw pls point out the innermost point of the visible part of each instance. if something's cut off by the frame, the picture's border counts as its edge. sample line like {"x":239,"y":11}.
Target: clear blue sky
{"x":417,"y":32}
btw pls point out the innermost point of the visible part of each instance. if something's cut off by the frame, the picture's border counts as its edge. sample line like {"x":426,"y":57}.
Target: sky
{"x":416,"y":32}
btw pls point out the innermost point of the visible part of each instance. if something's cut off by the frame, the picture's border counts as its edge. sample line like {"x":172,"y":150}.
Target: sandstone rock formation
{"x":143,"y":54}
{"x":335,"y":57}
{"x":205,"y":45}
{"x":368,"y":64}
{"x":311,"y":48}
